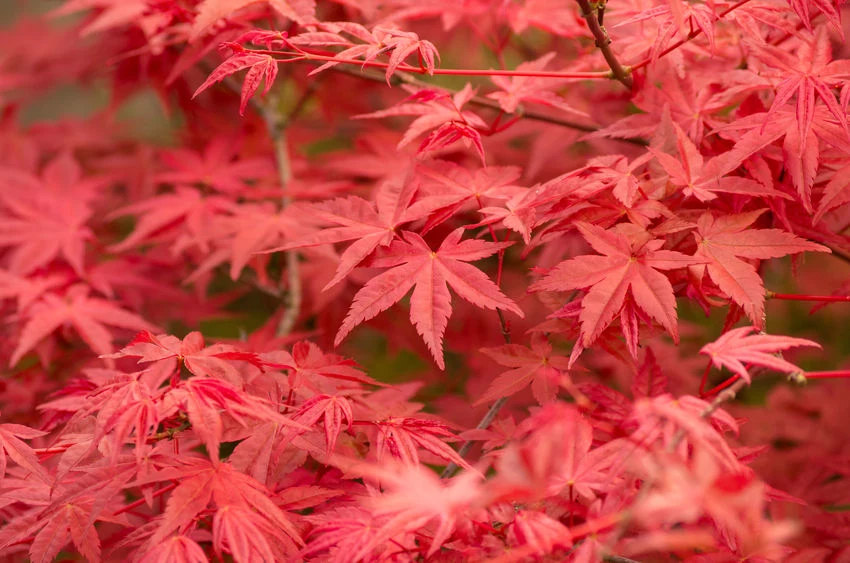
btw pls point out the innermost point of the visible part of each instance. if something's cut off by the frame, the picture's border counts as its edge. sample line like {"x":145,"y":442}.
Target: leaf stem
{"x":293,"y":295}
{"x":821,"y":298}
{"x":141,"y":501}
{"x":405,"y":78}
{"x":302,"y":55}
{"x":835,"y":374}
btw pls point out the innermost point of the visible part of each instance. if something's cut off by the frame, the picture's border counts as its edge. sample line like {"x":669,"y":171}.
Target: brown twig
{"x":593,"y":16}
{"x":276,"y":124}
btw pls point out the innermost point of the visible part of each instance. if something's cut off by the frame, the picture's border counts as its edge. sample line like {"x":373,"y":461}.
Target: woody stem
{"x":592,"y":15}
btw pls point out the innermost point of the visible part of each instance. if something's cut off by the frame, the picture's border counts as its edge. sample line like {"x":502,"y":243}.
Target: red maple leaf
{"x":175,"y":548}
{"x":43,"y":218}
{"x":380,"y":40}
{"x":443,"y":114}
{"x":723,"y":241}
{"x":218,"y":166}
{"x":160,"y":214}
{"x":12,"y":446}
{"x":244,"y":236}
{"x":536,"y":366}
{"x":353,"y":218}
{"x":260,"y":67}
{"x":65,"y":511}
{"x":88,"y":315}
{"x":333,"y":410}
{"x":308,"y":363}
{"x":209,"y":361}
{"x":702,"y":179}
{"x":401,"y":439}
{"x":629,"y":265}
{"x":202,"y":482}
{"x":414,"y":265}
{"x":800,"y":155}
{"x":205,"y":400}
{"x":520,"y":89}
{"x":349,"y":533}
{"x":738,"y":346}
{"x":447,"y":188}
{"x":810,"y":74}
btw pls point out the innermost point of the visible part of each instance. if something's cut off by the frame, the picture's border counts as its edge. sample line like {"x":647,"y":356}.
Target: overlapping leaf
{"x":430,"y":273}
{"x":629,"y":265}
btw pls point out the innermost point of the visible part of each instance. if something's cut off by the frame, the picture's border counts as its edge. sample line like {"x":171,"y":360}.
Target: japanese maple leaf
{"x":416,"y":496}
{"x":629,"y":264}
{"x":175,"y":548}
{"x":702,"y":179}
{"x":349,"y":532}
{"x":447,"y":188}
{"x":739,"y":346}
{"x":723,"y":241}
{"x":113,"y":14}
{"x":401,"y":438}
{"x":212,"y":361}
{"x":240,"y":531}
{"x":829,"y":8}
{"x":380,"y":40}
{"x":260,"y":67}
{"x":835,"y":193}
{"x":217,"y":166}
{"x":440,"y":112}
{"x":125,"y":405}
{"x":800,"y":155}
{"x":158,"y":215}
{"x":205,"y":400}
{"x":520,"y":89}
{"x":333,"y":410}
{"x":26,"y":289}
{"x":12,"y":447}
{"x":43,"y":218}
{"x":538,"y":534}
{"x":88,"y":315}
{"x":251,"y":229}
{"x":552,"y":451}
{"x":414,"y":265}
{"x":65,"y":510}
{"x":202,"y":482}
{"x":210,"y":11}
{"x":536,"y":366}
{"x":616,"y":172}
{"x":353,"y":218}
{"x":308,"y":364}
{"x":809,"y":74}
{"x":39,"y":233}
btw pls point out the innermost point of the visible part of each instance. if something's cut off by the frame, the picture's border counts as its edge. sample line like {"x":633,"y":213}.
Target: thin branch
{"x":483,"y":424}
{"x":276,"y":124}
{"x":403,"y":78}
{"x":820,"y":298}
{"x":618,"y":559}
{"x":303,"y":55}
{"x":593,"y":16}
{"x":834,"y":374}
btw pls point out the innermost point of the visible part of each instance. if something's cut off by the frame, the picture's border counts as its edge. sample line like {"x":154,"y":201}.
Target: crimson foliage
{"x":570,"y":201}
